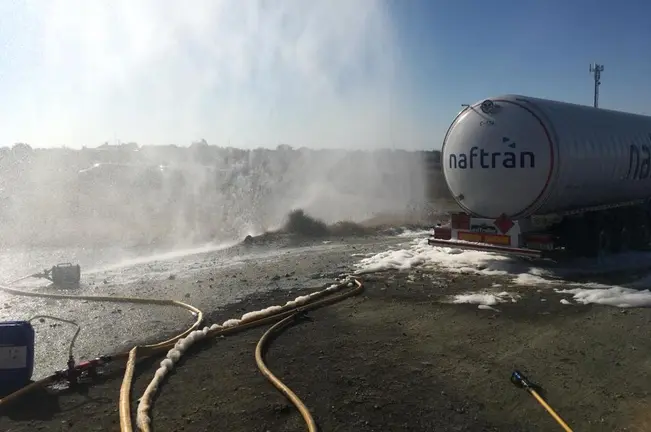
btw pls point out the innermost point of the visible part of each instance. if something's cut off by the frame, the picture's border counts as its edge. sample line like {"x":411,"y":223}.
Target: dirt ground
{"x":395,"y":358}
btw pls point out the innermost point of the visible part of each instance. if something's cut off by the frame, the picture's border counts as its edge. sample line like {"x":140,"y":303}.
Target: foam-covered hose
{"x":275,"y":313}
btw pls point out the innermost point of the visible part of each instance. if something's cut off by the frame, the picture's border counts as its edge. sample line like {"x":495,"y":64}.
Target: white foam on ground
{"x":420,"y":254}
{"x":478,"y":298}
{"x":534,"y":276}
{"x":613,"y":296}
{"x":630,"y":295}
{"x":485,"y":300}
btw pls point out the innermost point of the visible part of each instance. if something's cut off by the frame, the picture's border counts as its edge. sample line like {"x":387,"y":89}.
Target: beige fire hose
{"x":278,"y":314}
{"x":141,"y":352}
{"x":273,"y":379}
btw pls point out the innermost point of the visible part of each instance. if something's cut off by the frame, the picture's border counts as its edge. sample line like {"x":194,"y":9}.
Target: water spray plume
{"x":314,"y":81}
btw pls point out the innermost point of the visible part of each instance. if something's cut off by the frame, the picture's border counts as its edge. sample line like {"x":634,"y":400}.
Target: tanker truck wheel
{"x":642,"y":236}
{"x":599,"y":236}
{"x":576,"y":235}
{"x":640,"y":229}
{"x":604,"y":243}
{"x":622,"y":238}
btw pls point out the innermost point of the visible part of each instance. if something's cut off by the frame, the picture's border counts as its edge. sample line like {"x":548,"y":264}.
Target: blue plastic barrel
{"x":16,"y":355}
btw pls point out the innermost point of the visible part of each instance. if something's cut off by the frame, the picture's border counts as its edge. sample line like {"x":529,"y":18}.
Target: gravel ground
{"x":397,"y":357}
{"x":208,"y":281}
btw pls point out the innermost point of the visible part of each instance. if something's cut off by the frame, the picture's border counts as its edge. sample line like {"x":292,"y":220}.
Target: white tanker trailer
{"x":534,"y":177}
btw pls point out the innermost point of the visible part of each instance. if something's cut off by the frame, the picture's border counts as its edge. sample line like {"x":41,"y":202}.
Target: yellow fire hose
{"x":550,"y":410}
{"x":284,"y":312}
{"x":141,"y":352}
{"x":131,"y":355}
{"x":289,"y":394}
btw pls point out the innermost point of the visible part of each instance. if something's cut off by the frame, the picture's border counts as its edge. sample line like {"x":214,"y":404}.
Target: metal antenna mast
{"x":596,"y":70}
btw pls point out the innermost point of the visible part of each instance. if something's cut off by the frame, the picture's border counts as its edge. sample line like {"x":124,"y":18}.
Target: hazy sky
{"x":317,"y":73}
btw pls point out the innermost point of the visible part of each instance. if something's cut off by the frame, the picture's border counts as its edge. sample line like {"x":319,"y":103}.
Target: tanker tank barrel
{"x":533,"y":176}
{"x":504,"y":155}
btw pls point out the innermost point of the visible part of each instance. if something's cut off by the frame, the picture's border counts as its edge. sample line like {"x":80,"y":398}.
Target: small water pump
{"x":64,"y":275}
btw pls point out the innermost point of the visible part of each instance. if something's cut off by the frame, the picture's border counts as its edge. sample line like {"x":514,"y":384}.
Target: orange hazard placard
{"x":497,"y":239}
{"x":469,"y":236}
{"x":484,"y":238}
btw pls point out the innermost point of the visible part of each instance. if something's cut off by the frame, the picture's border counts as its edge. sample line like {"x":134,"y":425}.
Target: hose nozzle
{"x":519,"y":380}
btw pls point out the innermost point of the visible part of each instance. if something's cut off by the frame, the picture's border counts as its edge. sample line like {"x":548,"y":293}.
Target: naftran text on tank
{"x":528,"y":160}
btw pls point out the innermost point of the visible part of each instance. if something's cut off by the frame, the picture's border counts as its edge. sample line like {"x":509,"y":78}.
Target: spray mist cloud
{"x":243,"y":74}
{"x":249,"y":73}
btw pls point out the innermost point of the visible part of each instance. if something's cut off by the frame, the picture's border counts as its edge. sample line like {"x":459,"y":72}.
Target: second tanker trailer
{"x":534,"y":176}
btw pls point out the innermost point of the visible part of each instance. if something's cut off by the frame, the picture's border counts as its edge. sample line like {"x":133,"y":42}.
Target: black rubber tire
{"x":599,"y":236}
{"x":641,"y":230}
{"x":622,"y":236}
